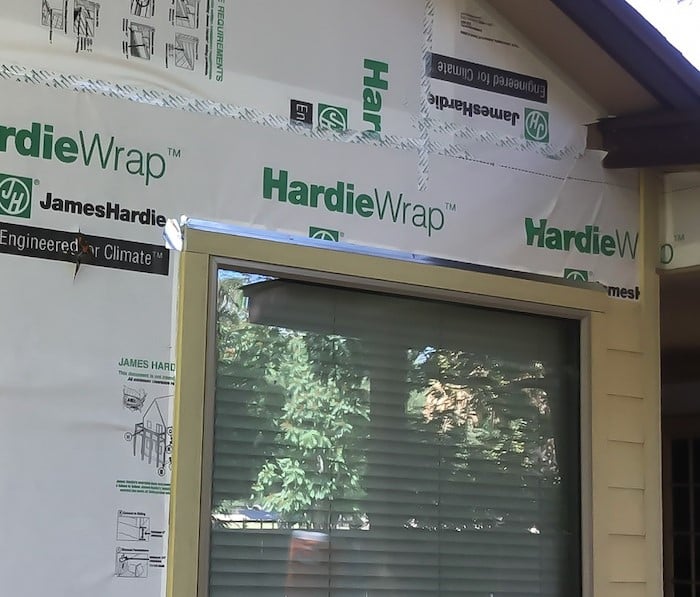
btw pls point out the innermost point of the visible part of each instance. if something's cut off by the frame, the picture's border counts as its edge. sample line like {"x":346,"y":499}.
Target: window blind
{"x":374,"y":445}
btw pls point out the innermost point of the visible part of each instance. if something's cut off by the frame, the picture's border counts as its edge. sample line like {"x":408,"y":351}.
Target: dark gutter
{"x":654,"y":140}
{"x":639,"y":48}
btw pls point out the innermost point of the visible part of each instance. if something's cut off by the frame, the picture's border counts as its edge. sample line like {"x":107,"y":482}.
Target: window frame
{"x":206,"y":251}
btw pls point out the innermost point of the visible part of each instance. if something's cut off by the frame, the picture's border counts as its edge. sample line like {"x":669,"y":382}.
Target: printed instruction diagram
{"x":144,"y":28}
{"x":131,"y":563}
{"x":140,"y":40}
{"x":133,"y":398}
{"x":133,"y":526}
{"x":136,"y":562}
{"x":145,"y":401}
{"x":185,"y":13}
{"x":152,"y":437}
{"x":143,"y":8}
{"x":182,"y":51}
{"x":79,"y":18}
{"x":134,"y":529}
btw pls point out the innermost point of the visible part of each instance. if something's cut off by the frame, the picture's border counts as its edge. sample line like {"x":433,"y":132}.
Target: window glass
{"x":370,"y":445}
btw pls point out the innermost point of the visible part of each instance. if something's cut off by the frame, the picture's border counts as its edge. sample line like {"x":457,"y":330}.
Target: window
{"x":370,"y":445}
{"x":682,"y":505}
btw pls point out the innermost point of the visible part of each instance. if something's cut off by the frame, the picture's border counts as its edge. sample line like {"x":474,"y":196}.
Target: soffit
{"x":591,"y":68}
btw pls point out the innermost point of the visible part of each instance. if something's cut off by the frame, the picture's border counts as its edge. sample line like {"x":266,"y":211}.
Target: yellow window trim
{"x":203,"y":251}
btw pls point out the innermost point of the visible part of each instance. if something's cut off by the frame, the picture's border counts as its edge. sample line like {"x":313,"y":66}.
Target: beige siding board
{"x":626,"y":511}
{"x":626,"y":419}
{"x":626,"y":559}
{"x":625,"y":332}
{"x":627,"y":589}
{"x":625,"y":373}
{"x":625,"y":465}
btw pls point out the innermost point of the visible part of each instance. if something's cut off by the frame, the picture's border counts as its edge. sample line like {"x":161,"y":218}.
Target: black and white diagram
{"x":143,"y":8}
{"x":133,"y":526}
{"x":185,"y":13}
{"x":86,"y":20}
{"x":133,"y":398}
{"x":131,"y":563}
{"x":152,"y":437}
{"x":139,"y":41}
{"x":183,"y":53}
{"x":53,"y":16}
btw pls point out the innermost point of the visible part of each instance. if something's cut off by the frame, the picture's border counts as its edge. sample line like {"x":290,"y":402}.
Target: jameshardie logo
{"x":577,"y":275}
{"x":536,"y":125}
{"x":332,"y":117}
{"x":15,"y":195}
{"x":324,"y":234}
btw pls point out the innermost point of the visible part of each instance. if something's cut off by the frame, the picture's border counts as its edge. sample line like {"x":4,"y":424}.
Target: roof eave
{"x":639,"y":48}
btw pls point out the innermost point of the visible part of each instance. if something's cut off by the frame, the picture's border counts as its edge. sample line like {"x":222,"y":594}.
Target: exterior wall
{"x":622,"y":508}
{"x":626,"y":436}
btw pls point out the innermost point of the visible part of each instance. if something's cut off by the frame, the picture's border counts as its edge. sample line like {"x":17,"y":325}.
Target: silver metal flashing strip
{"x":186,"y":223}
